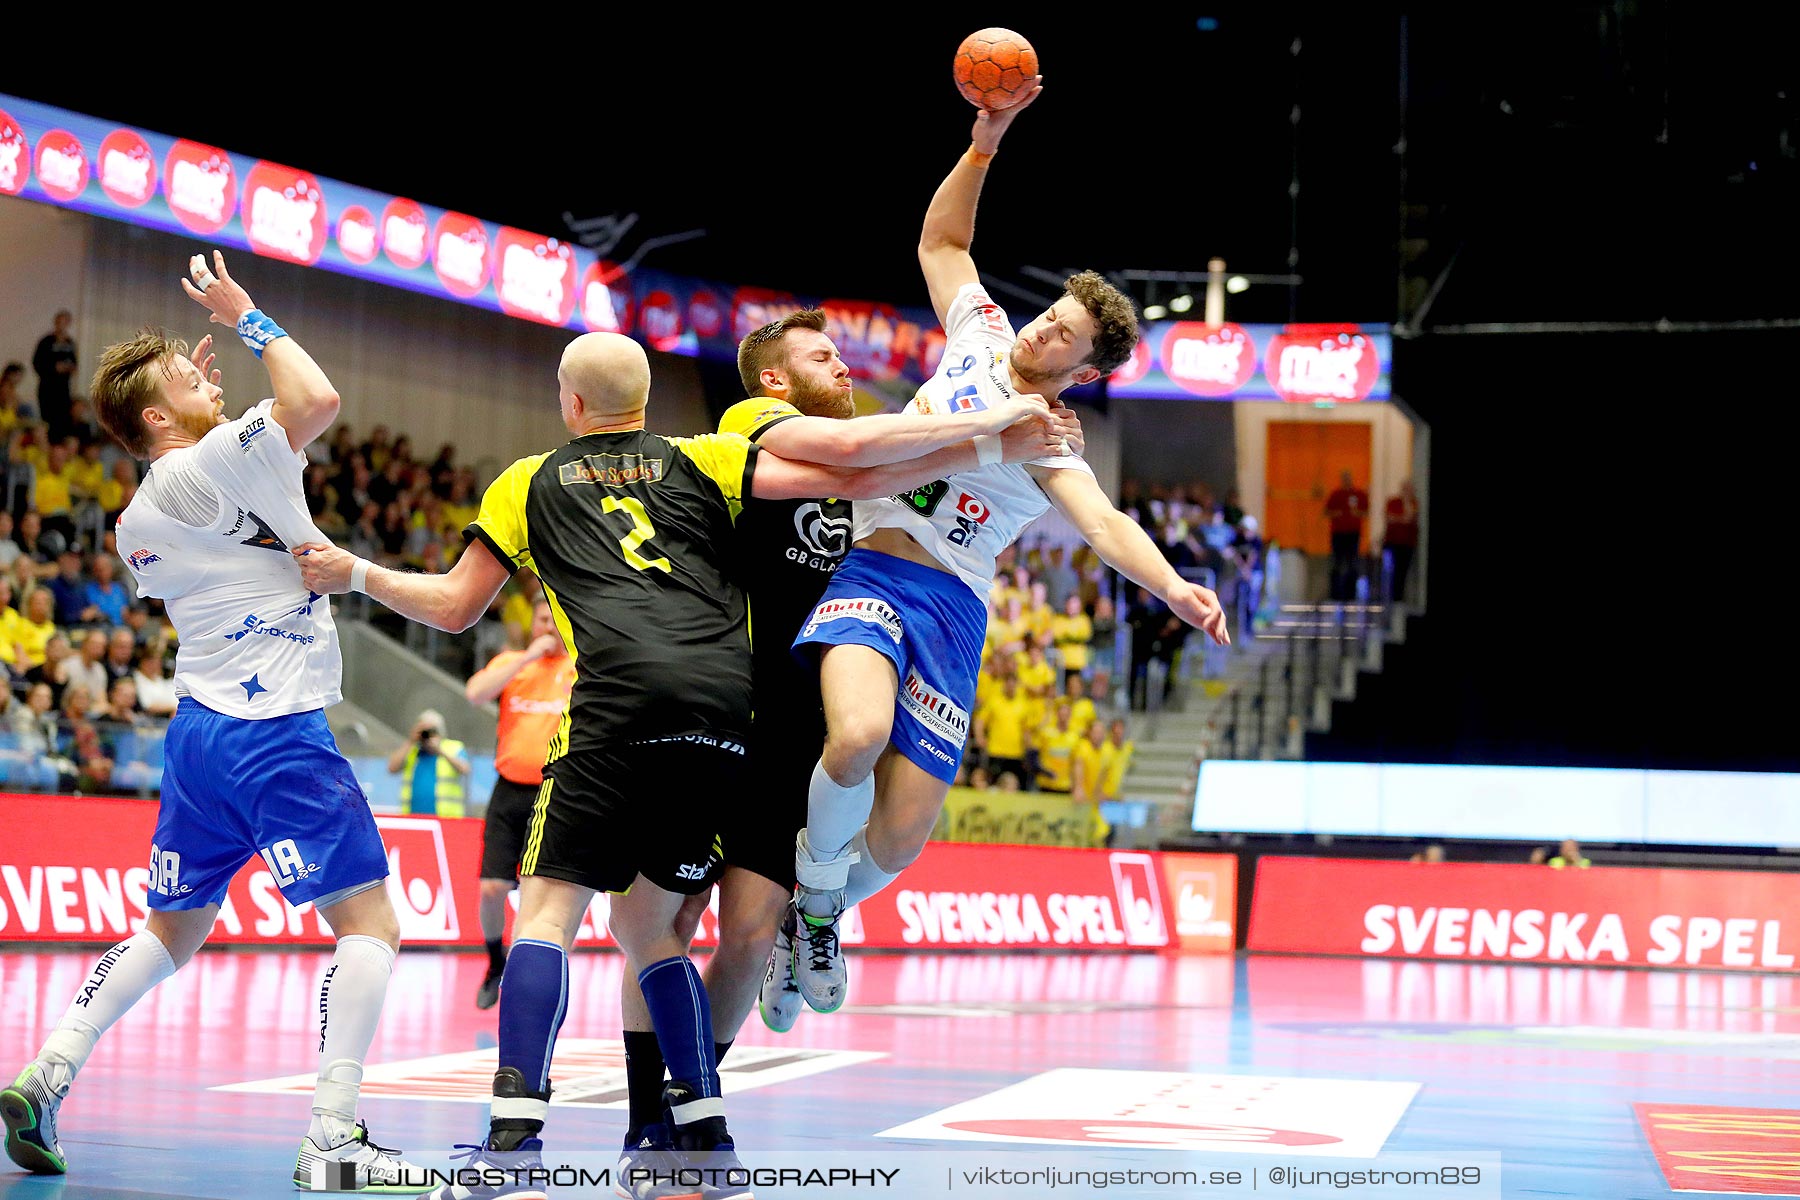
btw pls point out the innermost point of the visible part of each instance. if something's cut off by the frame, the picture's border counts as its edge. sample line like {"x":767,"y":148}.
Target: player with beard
{"x":902,"y":622}
{"x":799,"y":407}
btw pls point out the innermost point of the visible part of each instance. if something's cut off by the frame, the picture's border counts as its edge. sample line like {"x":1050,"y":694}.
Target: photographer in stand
{"x":432,"y":767}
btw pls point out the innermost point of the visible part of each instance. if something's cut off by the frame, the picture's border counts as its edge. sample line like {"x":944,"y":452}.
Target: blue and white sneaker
{"x":29,"y":1109}
{"x":818,"y":958}
{"x":528,"y":1156}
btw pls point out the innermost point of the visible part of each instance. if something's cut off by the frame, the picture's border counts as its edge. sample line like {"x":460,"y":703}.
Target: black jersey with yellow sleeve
{"x":789,"y":549}
{"x":632,"y":535}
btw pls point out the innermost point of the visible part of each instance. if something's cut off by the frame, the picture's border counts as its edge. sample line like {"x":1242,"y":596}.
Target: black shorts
{"x":651,"y":808}
{"x":759,"y":825}
{"x":503,"y":831}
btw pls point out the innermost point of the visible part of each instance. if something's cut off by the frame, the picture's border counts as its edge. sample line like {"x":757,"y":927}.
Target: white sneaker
{"x":356,"y":1165}
{"x":779,"y":1001}
{"x":29,"y":1109}
{"x":818,"y":959}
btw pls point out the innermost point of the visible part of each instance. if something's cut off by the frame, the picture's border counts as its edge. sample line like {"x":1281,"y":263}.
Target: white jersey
{"x":966,"y":520}
{"x":254,"y":642}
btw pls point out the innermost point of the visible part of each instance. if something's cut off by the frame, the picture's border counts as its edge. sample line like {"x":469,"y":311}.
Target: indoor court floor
{"x":203,"y":1090}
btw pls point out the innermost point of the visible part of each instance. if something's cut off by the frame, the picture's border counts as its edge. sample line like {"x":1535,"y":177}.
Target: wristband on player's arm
{"x":257,"y":330}
{"x":988,"y":449}
{"x":359,"y":575}
{"x":978,"y":159}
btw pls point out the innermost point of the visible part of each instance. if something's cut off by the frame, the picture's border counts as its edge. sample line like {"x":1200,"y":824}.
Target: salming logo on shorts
{"x":934,"y":710}
{"x":856,"y":608}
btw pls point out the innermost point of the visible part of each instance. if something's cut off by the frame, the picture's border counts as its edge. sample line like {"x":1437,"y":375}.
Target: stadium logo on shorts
{"x":934,"y":710}
{"x":858,"y":608}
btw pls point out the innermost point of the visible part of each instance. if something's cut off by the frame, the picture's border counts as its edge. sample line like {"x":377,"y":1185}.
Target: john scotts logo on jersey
{"x":934,"y":710}
{"x":139,"y":559}
{"x":971,"y":515}
{"x":824,"y":537}
{"x":925,"y":500}
{"x":612,"y":470}
{"x":856,"y":608}
{"x":263,"y":539}
{"x":251,"y":432}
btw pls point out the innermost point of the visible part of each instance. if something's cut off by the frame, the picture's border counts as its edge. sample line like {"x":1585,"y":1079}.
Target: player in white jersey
{"x":902,"y":622}
{"x":251,"y":768}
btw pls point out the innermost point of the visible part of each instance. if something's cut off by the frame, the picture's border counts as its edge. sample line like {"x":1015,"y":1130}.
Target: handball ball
{"x":994,"y":68}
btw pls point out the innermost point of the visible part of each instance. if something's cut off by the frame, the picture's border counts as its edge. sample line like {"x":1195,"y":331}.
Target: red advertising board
{"x":75,"y":869}
{"x":1502,"y":912}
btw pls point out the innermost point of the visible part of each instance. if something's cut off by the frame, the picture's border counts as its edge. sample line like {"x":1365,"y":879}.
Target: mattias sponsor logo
{"x":856,"y":608}
{"x":934,"y":710}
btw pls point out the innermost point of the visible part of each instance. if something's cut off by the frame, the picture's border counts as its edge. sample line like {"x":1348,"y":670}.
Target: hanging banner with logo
{"x":1506,"y":912}
{"x":90,"y":165}
{"x":76,"y":869}
{"x":1015,"y":818}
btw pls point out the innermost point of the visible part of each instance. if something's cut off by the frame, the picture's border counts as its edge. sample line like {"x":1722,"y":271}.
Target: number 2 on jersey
{"x":641,"y":531}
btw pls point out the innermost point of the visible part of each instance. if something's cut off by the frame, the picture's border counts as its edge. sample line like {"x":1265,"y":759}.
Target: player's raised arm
{"x":880,"y":440}
{"x":949,"y":229}
{"x":305,"y":402}
{"x":1127,"y":549}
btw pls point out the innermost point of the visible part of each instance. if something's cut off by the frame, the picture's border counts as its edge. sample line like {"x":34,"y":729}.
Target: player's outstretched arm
{"x":305,"y":402}
{"x":1127,"y":549}
{"x":950,"y":220}
{"x":1039,"y":435}
{"x":452,"y":601}
{"x":888,"y":438}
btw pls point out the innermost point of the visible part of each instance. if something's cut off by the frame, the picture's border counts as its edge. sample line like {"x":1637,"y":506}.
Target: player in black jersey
{"x":632,"y":536}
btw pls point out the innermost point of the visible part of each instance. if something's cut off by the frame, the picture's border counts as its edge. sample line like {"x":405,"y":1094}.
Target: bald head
{"x":608,"y":372}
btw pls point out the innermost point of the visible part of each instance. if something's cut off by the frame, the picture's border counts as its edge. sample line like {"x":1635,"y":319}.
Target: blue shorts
{"x":930,"y":626}
{"x":233,"y":789}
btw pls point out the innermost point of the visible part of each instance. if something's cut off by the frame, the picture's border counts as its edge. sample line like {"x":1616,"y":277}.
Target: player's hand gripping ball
{"x":994,"y":68}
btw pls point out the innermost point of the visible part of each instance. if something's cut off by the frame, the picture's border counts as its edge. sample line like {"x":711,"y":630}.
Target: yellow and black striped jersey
{"x":632,"y":535}
{"x":789,"y":549}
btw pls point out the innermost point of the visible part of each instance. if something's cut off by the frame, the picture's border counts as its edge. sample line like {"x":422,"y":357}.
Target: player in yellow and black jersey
{"x":632,"y":535}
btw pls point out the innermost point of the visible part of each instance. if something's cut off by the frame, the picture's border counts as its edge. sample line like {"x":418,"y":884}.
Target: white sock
{"x":349,"y":1006}
{"x":116,"y":982}
{"x":866,"y":878}
{"x":834,"y":813}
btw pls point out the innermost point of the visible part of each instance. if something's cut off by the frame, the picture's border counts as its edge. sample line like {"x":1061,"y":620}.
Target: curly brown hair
{"x":1116,"y":335}
{"x":761,"y":348}
{"x":124,"y":384}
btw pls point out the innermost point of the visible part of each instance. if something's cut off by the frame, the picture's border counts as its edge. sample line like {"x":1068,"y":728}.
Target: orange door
{"x":1304,"y":458}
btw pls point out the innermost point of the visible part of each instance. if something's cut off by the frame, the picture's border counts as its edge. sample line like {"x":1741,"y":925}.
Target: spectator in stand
{"x":1401,"y":536}
{"x":106,"y":598}
{"x":1116,"y":760}
{"x":1247,"y":561}
{"x":979,"y":779}
{"x":1103,"y":646}
{"x":321,"y":498}
{"x":117,"y":489}
{"x":79,"y":740}
{"x":392,"y":531}
{"x":121,"y":654}
{"x":1006,"y":781}
{"x":53,"y":671}
{"x":86,"y":473}
{"x":88,"y":669}
{"x":155,"y":690}
{"x":1088,"y":763}
{"x":9,"y":633}
{"x":1569,"y":855}
{"x":1081,"y":709}
{"x":33,"y":724}
{"x":365,"y":534}
{"x":1157,"y":635}
{"x":1072,"y":630}
{"x":69,"y":587}
{"x":53,"y":496}
{"x":352,"y":486}
{"x":122,"y":703}
{"x":379,"y":448}
{"x":1060,"y":578}
{"x":84,"y":426}
{"x":14,"y":410}
{"x":1538,"y":856}
{"x":1037,"y":677}
{"x":35,"y":627}
{"x":1039,"y":616}
{"x":1000,"y":728}
{"x":9,"y":549}
{"x":54,"y":361}
{"x":1346,"y":508}
{"x":1433,"y":853}
{"x":1055,"y":743}
{"x":462,"y":506}
{"x":389,"y":483}
{"x":343,"y":445}
{"x":443,"y":471}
